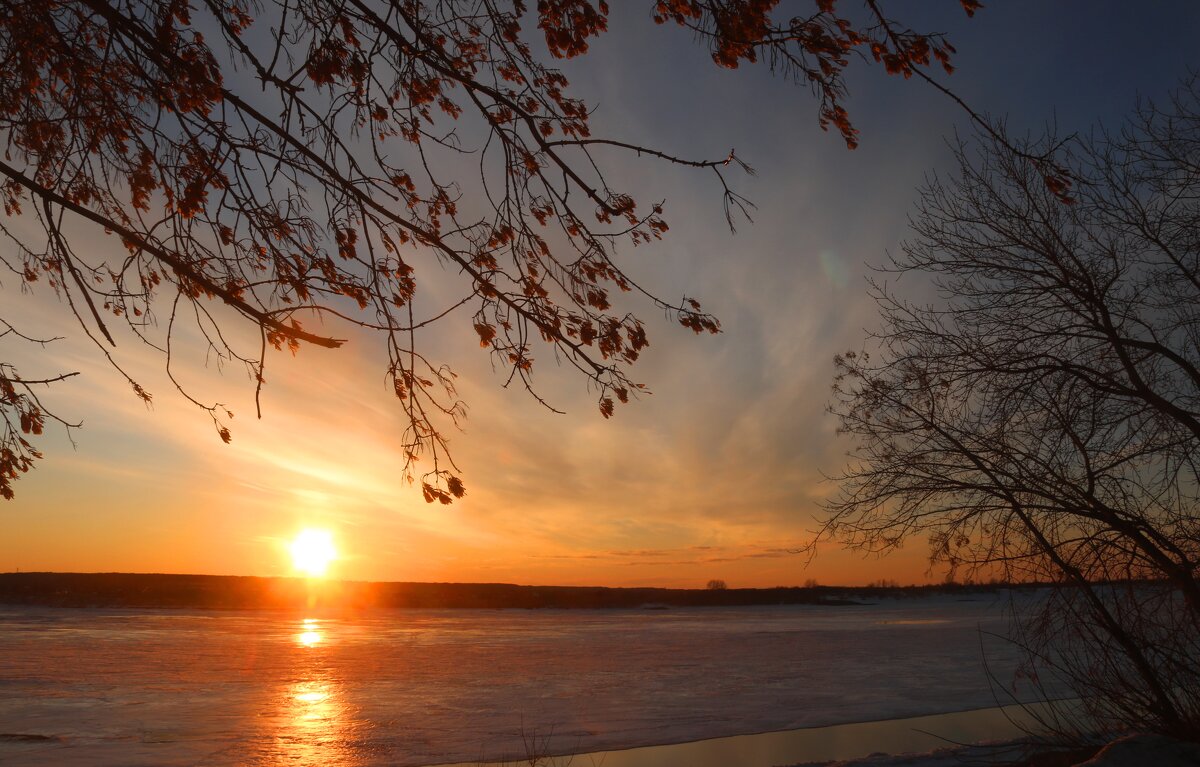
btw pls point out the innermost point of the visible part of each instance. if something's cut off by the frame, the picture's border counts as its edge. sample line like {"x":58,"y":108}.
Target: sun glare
{"x":312,"y":551}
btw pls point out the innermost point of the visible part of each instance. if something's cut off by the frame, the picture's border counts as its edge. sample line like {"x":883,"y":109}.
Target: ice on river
{"x":418,"y":687}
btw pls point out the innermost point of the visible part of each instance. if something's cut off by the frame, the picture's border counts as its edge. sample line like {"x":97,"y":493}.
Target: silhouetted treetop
{"x":306,"y":164}
{"x":1041,"y":418}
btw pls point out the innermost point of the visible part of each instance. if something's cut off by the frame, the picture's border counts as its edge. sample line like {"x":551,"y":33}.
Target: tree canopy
{"x":295,"y":167}
{"x":1041,"y":417}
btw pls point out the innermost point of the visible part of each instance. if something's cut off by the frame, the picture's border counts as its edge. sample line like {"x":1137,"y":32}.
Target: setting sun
{"x":312,"y":551}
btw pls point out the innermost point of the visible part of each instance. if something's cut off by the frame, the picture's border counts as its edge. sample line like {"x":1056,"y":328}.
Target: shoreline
{"x":994,"y":730}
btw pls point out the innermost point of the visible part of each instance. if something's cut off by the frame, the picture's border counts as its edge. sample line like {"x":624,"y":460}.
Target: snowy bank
{"x":1130,"y":751}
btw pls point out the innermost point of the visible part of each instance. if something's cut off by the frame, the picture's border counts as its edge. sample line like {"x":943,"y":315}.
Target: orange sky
{"x":551,"y":499}
{"x":718,"y":474}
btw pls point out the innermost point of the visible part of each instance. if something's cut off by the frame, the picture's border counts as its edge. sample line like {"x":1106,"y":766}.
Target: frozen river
{"x":419,"y":687}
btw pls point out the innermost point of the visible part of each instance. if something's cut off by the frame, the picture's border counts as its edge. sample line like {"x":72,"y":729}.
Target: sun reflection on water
{"x":311,"y":634}
{"x":315,"y":708}
{"x":315,"y":696}
{"x":314,"y":726}
{"x":315,"y":731}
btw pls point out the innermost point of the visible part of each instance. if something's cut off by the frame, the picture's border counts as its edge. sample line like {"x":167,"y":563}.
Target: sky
{"x":719,"y":473}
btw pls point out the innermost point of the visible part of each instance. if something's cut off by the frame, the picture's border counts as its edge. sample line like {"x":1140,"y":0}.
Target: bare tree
{"x":295,"y":168}
{"x":1040,"y":419}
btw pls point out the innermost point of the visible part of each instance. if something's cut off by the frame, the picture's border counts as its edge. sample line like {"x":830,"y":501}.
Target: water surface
{"x":420,"y":687}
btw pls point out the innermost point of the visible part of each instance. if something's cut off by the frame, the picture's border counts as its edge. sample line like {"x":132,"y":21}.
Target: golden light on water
{"x":310,"y":720}
{"x":314,"y":728}
{"x":311,"y":634}
{"x":312,"y":551}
